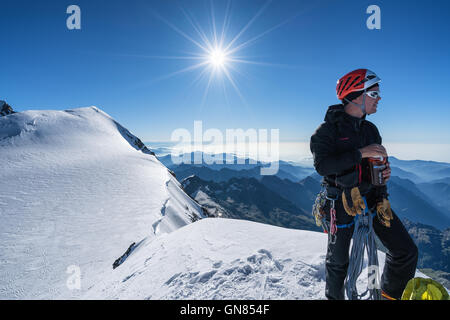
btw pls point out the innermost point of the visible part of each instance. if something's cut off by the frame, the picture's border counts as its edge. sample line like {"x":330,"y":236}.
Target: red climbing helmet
{"x":357,"y":80}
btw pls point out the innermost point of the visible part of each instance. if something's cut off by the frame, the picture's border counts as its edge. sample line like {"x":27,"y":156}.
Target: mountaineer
{"x":342,"y":147}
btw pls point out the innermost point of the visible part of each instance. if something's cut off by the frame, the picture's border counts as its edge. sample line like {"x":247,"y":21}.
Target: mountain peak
{"x":5,"y":109}
{"x":77,"y":189}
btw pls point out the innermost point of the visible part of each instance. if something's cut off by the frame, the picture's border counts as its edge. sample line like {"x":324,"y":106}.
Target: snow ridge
{"x":76,"y":190}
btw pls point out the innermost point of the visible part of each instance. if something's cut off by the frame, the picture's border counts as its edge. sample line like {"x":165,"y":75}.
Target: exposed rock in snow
{"x":5,"y":109}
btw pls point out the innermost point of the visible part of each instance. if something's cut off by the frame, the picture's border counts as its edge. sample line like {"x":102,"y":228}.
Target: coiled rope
{"x":363,"y":240}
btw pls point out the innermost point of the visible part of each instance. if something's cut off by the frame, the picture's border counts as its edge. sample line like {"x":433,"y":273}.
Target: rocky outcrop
{"x":433,"y":245}
{"x":5,"y":109}
{"x":134,"y":141}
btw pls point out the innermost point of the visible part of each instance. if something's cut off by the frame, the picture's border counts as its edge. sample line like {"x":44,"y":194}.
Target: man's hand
{"x":374,"y":150}
{"x":387,"y":172}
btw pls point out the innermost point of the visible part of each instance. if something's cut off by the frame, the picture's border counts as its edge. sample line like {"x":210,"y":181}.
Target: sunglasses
{"x":373,"y":94}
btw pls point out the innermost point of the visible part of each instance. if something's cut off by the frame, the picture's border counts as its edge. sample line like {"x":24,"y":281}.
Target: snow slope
{"x":77,"y":189}
{"x":216,"y":258}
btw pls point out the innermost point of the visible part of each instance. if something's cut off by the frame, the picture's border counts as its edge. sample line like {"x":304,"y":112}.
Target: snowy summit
{"x":79,"y":193}
{"x":77,"y":189}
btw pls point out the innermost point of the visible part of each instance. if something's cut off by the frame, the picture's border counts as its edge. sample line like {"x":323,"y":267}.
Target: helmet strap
{"x":362,"y":106}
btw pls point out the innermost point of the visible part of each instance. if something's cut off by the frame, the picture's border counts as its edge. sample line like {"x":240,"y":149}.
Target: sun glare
{"x":218,"y":52}
{"x":217,"y":58}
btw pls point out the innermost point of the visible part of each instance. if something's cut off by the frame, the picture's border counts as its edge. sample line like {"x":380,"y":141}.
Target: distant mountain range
{"x":419,"y":170}
{"x":411,"y":203}
{"x":230,"y":166}
{"x":283,"y":200}
{"x":432,"y":243}
{"x":409,"y":200}
{"x":218,"y":175}
{"x":438,"y":193}
{"x":249,"y":199}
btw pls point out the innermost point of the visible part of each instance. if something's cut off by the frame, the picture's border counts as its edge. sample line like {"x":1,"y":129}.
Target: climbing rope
{"x":363,"y":240}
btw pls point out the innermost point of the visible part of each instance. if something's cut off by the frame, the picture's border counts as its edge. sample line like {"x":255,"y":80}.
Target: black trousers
{"x":401,"y":258}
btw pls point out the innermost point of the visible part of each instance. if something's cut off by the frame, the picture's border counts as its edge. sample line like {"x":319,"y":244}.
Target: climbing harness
{"x":331,"y":226}
{"x":319,"y":204}
{"x":363,"y":241}
{"x":319,"y":213}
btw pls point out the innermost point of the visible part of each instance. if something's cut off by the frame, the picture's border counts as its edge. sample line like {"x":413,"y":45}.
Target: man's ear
{"x":346,"y":106}
{"x":359,"y":99}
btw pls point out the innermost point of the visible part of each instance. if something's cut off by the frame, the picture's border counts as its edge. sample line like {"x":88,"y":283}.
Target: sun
{"x":217,"y":48}
{"x":217,"y":58}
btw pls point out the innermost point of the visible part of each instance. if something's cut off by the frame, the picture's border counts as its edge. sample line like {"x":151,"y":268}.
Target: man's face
{"x":371,"y":103}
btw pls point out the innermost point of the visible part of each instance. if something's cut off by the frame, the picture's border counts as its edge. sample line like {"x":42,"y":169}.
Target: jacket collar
{"x":336,"y":114}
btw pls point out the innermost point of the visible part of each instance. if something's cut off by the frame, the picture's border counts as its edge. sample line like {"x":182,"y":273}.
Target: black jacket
{"x":335,"y":146}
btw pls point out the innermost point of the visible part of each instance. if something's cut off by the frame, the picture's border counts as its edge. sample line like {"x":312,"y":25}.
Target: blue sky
{"x":116,"y":63}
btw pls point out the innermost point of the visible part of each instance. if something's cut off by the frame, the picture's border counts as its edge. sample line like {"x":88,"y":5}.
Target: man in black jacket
{"x":341,"y":147}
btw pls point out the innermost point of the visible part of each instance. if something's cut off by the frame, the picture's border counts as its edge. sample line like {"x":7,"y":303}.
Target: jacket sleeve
{"x":326,"y":160}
